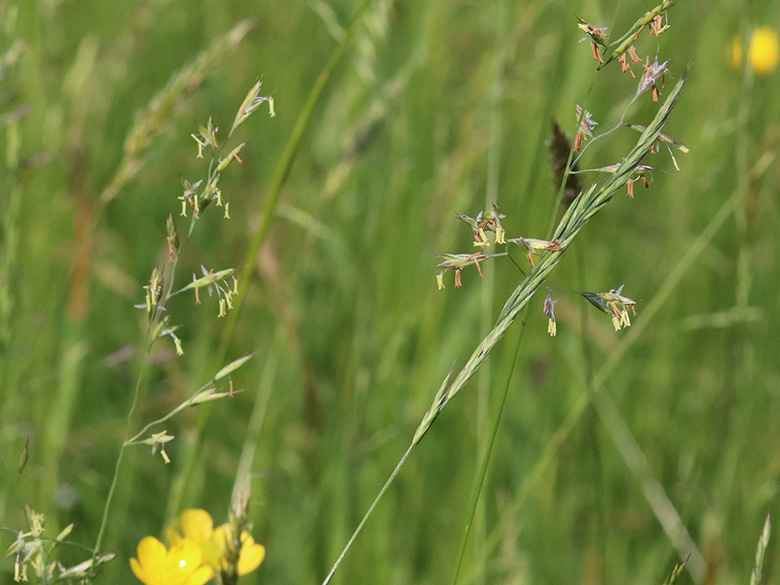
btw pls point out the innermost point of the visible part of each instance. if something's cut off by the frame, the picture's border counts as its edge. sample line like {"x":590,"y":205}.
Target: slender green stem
{"x":367,"y":514}
{"x":178,"y":409}
{"x":486,"y":458}
{"x":144,"y":366}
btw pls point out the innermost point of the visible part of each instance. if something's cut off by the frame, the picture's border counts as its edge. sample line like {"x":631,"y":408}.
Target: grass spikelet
{"x":763,"y":542}
{"x":623,"y":44}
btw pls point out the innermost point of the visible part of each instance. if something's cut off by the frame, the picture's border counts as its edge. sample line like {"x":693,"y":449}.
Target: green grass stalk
{"x":486,"y":458}
{"x":140,"y":381}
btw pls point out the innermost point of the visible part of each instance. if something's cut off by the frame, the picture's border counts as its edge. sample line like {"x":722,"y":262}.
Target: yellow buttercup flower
{"x":181,"y":565}
{"x":764,"y":51}
{"x":198,"y":527}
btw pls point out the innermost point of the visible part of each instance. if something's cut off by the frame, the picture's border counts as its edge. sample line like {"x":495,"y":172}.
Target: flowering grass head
{"x":458,"y":262}
{"x":614,"y":304}
{"x":597,"y":36}
{"x":587,"y":124}
{"x":549,"y":311}
{"x":535,"y":246}
{"x":486,"y":221}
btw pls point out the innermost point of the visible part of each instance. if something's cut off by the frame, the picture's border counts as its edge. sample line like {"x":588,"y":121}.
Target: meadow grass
{"x":433,"y":108}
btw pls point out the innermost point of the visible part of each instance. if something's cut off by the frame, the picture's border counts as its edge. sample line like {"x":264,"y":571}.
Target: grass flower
{"x":596,"y":35}
{"x":153,"y":291}
{"x":215,"y":282}
{"x":535,"y":247}
{"x":653,"y":74}
{"x":658,"y":26}
{"x":157,"y":441}
{"x":549,"y":306}
{"x":641,"y":172}
{"x":458,"y":262}
{"x":181,"y":565}
{"x":486,"y":221}
{"x":624,"y":66}
{"x":251,"y":102}
{"x":667,"y":140}
{"x":614,"y":304}
{"x":587,"y":124}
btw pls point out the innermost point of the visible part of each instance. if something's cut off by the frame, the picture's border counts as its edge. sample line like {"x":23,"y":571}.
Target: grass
{"x":435,"y":108}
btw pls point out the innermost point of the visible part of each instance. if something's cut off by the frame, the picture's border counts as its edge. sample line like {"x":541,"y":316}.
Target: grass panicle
{"x":584,"y":207}
{"x":197,"y":197}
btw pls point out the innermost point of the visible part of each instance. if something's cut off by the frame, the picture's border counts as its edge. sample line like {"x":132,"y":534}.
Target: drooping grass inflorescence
{"x":196,"y":198}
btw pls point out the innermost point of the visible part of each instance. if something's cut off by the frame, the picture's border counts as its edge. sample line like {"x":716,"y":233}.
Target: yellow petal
{"x":173,"y":537}
{"x":151,"y":554}
{"x":214,"y":549}
{"x":151,"y":561}
{"x":197,"y":525}
{"x":185,"y":556}
{"x":200,"y":577}
{"x":222,"y":536}
{"x":139,"y":572}
{"x":251,"y":556}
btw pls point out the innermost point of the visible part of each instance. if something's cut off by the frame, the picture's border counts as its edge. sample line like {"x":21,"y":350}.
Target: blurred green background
{"x":438,"y":107}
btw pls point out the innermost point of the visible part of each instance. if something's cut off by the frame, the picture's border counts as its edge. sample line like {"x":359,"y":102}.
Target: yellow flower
{"x":764,"y":51}
{"x":198,"y":527}
{"x":251,"y":554}
{"x":181,"y":565}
